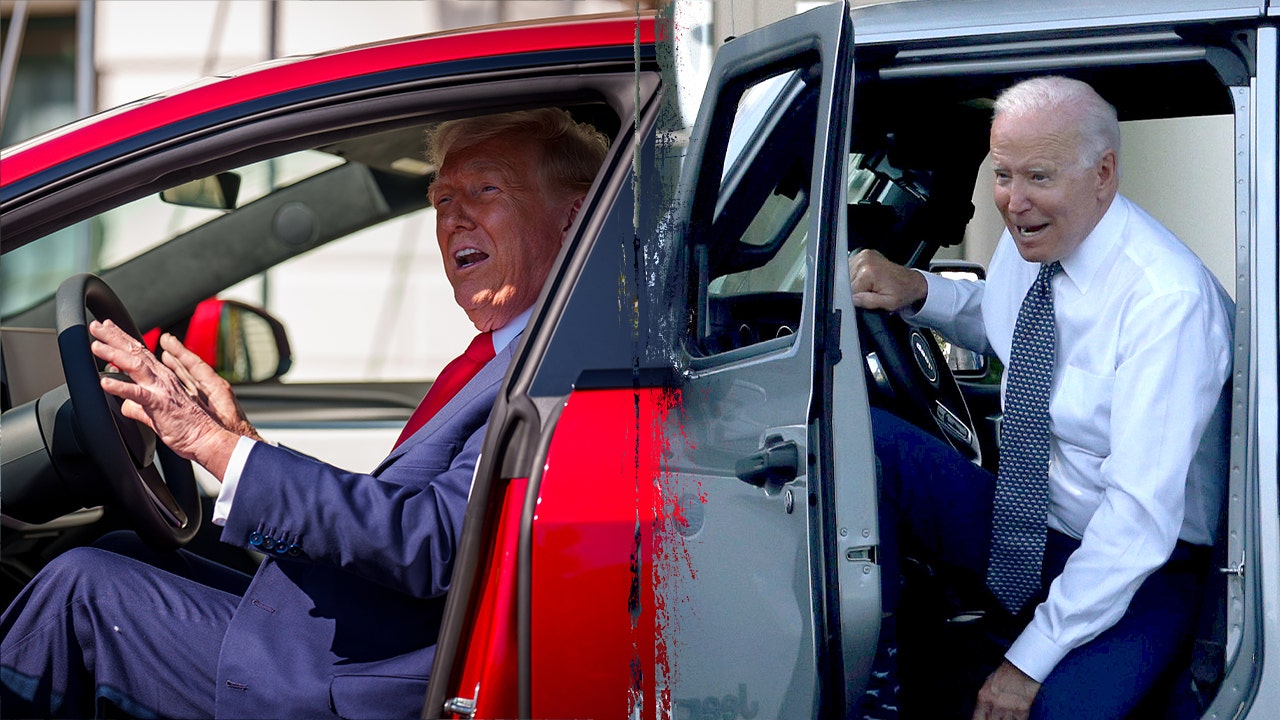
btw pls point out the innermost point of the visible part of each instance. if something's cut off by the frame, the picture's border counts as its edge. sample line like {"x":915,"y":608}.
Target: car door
{"x":658,"y":526}
{"x":754,"y":622}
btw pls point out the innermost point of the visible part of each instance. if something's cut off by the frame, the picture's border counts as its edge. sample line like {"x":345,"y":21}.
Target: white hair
{"x":1095,"y":117}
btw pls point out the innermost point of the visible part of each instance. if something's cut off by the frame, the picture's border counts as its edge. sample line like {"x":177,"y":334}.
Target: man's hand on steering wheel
{"x":881,"y":284}
{"x":206,"y":385}
{"x":158,"y":398}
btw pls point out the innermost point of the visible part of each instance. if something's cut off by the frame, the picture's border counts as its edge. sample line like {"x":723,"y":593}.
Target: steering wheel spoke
{"x":911,"y":378}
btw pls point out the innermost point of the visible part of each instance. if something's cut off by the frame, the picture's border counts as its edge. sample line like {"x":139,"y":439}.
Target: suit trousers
{"x":99,"y":632}
{"x":936,"y":507}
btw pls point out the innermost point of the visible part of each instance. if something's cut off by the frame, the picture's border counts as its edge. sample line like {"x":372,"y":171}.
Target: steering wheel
{"x":161,"y":502}
{"x":908,"y":372}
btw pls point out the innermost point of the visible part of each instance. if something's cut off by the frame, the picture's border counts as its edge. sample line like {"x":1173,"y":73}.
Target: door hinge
{"x":466,"y":707}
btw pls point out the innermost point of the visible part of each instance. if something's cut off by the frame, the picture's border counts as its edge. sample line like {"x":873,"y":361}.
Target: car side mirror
{"x":965,"y":364}
{"x":216,"y":192}
{"x":243,"y":343}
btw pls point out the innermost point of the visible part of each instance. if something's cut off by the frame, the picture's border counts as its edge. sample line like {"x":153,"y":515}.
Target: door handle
{"x":777,"y":463}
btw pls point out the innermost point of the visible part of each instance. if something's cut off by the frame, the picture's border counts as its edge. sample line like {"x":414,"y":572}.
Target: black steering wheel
{"x":161,"y":502}
{"x":908,"y":375}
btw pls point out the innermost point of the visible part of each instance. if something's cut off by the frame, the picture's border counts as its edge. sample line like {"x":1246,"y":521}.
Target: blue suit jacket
{"x":342,"y":616}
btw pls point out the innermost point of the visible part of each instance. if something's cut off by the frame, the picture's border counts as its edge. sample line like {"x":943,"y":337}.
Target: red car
{"x":675,"y":512}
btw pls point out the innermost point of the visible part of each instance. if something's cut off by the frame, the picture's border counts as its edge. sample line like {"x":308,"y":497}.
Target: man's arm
{"x":1008,"y":693}
{"x":952,"y":307}
{"x":398,"y":528}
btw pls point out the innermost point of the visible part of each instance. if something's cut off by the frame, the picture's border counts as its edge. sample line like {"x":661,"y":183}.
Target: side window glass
{"x":750,"y":228}
{"x":122,"y":233}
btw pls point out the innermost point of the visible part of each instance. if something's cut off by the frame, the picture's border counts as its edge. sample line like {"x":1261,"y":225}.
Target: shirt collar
{"x":1083,"y":262}
{"x":503,"y":336}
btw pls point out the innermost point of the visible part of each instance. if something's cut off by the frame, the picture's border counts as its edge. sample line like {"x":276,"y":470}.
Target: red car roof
{"x":279,"y":76}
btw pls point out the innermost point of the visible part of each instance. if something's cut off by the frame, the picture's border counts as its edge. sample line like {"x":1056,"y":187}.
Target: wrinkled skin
{"x":499,"y":227}
{"x":1050,"y":200}
{"x":200,"y":421}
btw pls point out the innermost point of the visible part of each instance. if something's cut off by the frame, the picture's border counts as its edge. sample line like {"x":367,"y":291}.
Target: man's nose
{"x":456,"y":214}
{"x":1017,"y":198}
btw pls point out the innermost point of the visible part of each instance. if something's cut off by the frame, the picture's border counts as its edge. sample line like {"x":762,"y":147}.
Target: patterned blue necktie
{"x":1022,"y":486}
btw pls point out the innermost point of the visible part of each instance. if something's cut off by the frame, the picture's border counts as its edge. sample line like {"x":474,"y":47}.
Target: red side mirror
{"x":243,"y":343}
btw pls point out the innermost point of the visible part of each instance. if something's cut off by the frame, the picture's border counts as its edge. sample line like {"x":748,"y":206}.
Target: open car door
{"x":779,"y":612}
{"x":675,"y":514}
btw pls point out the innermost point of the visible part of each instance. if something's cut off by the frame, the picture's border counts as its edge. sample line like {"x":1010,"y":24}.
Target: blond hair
{"x":572,"y":151}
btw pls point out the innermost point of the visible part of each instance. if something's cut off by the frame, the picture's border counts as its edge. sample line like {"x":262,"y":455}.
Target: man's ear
{"x":1108,"y":172}
{"x":569,"y":217}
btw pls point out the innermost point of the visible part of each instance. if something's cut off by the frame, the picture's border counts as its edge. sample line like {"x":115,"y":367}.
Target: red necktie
{"x":454,"y":376}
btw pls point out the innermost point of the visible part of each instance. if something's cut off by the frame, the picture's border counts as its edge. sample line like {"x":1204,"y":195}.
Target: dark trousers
{"x":100,"y":631}
{"x":936,"y":507}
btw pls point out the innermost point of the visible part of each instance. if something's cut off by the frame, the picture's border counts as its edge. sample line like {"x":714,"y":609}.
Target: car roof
{"x":297,"y":73}
{"x":925,"y":19}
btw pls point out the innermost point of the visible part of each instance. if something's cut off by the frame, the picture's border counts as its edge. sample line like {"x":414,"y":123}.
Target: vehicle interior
{"x":166,"y":239}
{"x":918,"y":184}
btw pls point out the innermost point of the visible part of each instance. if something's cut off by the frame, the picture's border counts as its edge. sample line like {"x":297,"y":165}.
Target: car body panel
{"x":750,"y":402}
{"x":495,"y":633}
{"x":734,"y":404}
{"x":297,"y":80}
{"x":599,"y":554}
{"x":1255,"y":483}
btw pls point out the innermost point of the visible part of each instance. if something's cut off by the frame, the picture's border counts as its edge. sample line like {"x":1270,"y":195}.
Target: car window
{"x":356,"y":309}
{"x":369,"y":307}
{"x":32,"y":273}
{"x":753,"y":254}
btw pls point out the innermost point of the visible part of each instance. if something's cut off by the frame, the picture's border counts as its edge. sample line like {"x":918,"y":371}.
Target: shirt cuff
{"x":230,"y":479}
{"x":940,"y":297}
{"x":1035,"y":654}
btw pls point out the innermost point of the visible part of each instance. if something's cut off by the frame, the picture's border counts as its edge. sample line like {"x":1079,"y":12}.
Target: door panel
{"x":742,"y":621}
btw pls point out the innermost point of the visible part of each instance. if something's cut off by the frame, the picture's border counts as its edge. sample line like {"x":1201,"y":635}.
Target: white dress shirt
{"x":1137,"y":410}
{"x":501,"y":337}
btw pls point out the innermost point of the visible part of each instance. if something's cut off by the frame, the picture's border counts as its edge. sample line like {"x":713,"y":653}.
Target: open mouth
{"x":467,"y":257}
{"x":1028,"y":231}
